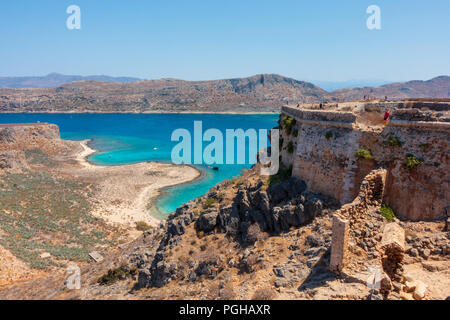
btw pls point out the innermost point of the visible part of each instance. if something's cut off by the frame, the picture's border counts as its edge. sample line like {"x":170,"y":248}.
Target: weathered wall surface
{"x":422,"y":193}
{"x":325,"y":149}
{"x":325,"y":158}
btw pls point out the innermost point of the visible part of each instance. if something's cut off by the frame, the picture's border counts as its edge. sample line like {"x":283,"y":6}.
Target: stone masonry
{"x":370,"y":195}
{"x":326,"y":142}
{"x":339,"y":243}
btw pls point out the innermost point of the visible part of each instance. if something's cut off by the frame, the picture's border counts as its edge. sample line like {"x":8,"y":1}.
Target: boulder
{"x":176,"y":227}
{"x":413,"y":252}
{"x":286,"y":189}
{"x":207,"y":221}
{"x":426,"y":253}
{"x":420,"y":290}
{"x":410,"y":285}
{"x":44,"y":255}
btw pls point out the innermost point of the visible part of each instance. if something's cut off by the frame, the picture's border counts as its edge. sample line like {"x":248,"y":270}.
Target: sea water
{"x":130,"y":138}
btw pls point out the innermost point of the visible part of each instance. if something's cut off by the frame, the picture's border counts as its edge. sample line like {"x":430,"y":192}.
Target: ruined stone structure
{"x":326,"y":143}
{"x":339,"y":243}
{"x":393,"y":249}
{"x":370,"y":195}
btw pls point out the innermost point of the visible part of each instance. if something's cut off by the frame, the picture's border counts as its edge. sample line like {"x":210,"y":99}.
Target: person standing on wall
{"x":386,"y":116}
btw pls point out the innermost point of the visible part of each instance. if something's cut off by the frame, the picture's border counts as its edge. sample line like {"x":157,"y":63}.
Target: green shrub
{"x":290,"y":147}
{"x":364,"y":154}
{"x":394,"y":141}
{"x":412,"y":162}
{"x":387,"y":212}
{"x":208,"y":203}
{"x":295,"y":133}
{"x":328,"y":135}
{"x":282,"y":175}
{"x":288,"y":124}
{"x":142,"y":226}
{"x":116,"y":274}
{"x":36,"y":208}
{"x":37,"y":156}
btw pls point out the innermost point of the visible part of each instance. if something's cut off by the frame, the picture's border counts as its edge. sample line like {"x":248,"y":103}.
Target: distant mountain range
{"x":55,"y":79}
{"x":259,"y":93}
{"x":336,"y":85}
{"x":438,"y":87}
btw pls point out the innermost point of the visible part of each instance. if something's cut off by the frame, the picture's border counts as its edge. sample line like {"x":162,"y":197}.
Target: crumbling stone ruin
{"x":337,"y":149}
{"x":393,"y":249}
{"x":347,"y":217}
{"x":339,"y":243}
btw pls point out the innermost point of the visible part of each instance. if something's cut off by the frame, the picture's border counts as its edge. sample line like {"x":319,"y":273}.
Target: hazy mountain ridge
{"x":259,"y":93}
{"x":338,"y":85}
{"x":55,"y":79}
{"x":438,"y":87}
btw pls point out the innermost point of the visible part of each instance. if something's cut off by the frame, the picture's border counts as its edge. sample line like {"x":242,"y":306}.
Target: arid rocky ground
{"x":56,"y":208}
{"x":253,"y":237}
{"x":213,"y":248}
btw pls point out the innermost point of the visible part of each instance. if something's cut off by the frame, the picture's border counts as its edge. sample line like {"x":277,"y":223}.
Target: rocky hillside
{"x":438,"y":87}
{"x":55,"y":79}
{"x":260,"y":93}
{"x":261,"y":238}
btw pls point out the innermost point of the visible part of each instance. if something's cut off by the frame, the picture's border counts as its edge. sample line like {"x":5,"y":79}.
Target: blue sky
{"x":211,"y":39}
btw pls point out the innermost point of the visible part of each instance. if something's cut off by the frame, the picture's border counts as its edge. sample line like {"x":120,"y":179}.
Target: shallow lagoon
{"x":129,"y":138}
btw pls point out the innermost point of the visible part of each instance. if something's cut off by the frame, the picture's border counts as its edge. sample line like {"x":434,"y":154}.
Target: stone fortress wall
{"x":326,"y":142}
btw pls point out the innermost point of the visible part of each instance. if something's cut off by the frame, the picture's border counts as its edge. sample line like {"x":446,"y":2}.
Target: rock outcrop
{"x":13,"y":161}
{"x":253,"y":210}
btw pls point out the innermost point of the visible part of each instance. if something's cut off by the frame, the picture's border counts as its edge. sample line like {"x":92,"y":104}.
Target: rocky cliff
{"x":29,"y":142}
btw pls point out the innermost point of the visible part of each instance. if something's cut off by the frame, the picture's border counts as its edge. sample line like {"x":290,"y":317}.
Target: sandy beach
{"x":126,"y":192}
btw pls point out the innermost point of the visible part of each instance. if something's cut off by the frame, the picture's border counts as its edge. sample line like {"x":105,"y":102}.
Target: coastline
{"x":146,"y":112}
{"x":127,"y":191}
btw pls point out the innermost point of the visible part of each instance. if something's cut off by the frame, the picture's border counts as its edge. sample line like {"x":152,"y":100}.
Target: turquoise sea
{"x":130,"y":138}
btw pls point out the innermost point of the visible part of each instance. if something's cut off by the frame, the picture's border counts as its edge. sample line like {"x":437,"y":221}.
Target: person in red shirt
{"x":386,"y":116}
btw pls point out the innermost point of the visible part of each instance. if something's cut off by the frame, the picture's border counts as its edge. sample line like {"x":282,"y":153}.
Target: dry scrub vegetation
{"x":42,"y":213}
